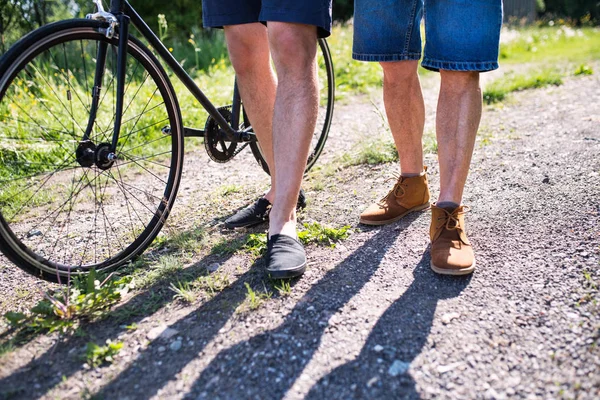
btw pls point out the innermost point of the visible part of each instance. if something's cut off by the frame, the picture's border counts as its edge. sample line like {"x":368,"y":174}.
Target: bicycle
{"x":92,"y":141}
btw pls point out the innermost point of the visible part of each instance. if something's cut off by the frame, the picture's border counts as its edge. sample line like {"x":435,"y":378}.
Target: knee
{"x":399,"y":72}
{"x":248,"y":47}
{"x":460,"y":81}
{"x":293,"y":46}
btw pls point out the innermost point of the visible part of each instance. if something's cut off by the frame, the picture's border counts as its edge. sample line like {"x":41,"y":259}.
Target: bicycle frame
{"x":121,"y":15}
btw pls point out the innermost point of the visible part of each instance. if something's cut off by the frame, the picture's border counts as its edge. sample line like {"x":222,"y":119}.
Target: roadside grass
{"x":213,"y":283}
{"x":371,"y":152}
{"x":88,"y":298}
{"x":186,"y":241}
{"x":183,"y":291}
{"x":322,"y":235}
{"x":165,"y":268}
{"x":583,"y":69}
{"x":96,"y":355}
{"x":550,"y":44}
{"x":498,"y":90}
{"x":254,"y":299}
{"x":283,"y":286}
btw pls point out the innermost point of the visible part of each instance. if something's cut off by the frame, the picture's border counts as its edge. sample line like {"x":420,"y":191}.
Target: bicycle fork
{"x":103,"y":155}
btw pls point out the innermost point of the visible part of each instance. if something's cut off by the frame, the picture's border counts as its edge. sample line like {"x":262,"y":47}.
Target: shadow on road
{"x":380,"y":370}
{"x":64,"y":359}
{"x":270,"y":362}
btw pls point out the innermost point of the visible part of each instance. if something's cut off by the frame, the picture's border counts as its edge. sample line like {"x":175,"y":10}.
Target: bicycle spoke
{"x":65,"y":210}
{"x":135,"y":160}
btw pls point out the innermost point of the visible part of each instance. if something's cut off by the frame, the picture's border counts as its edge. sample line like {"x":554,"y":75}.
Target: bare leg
{"x":294,"y":48}
{"x":458,"y":116}
{"x":405,"y":110}
{"x":248,"y":47}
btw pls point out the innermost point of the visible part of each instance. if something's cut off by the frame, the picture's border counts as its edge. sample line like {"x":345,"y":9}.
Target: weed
{"x":132,"y":327}
{"x":189,"y":241}
{"x":87,"y":298}
{"x":213,"y":283}
{"x":589,"y":280}
{"x":6,"y":347}
{"x":375,"y":152}
{"x":256,"y":244}
{"x":283,"y":287}
{"x":584,"y":70}
{"x":165,"y":268}
{"x":183,"y":291}
{"x":255,"y":299}
{"x":315,"y":233}
{"x":97,"y":355}
{"x":226,"y":190}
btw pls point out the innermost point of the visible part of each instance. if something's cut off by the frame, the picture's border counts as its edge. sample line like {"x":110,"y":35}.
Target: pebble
{"x":378,"y":348}
{"x":398,"y":367}
{"x":162,"y":349}
{"x":448,"y":317}
{"x":161,"y":332}
{"x":213,"y":267}
{"x":176,"y":345}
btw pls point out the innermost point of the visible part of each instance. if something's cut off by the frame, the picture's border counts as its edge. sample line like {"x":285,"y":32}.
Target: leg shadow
{"x":276,"y":358}
{"x":399,"y":337}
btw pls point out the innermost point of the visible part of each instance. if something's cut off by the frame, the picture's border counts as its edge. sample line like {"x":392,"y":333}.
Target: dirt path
{"x":369,"y":319}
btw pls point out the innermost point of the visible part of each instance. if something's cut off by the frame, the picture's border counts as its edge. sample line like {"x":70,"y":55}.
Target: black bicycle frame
{"x":125,"y":14}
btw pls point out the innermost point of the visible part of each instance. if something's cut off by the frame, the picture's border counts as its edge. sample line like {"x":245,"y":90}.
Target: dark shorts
{"x":460,"y":35}
{"x":218,"y":13}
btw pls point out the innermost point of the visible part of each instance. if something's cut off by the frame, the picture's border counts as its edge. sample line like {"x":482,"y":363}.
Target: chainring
{"x":218,"y":149}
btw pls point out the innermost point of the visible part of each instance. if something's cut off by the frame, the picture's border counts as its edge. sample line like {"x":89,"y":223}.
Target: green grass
{"x":322,"y":235}
{"x":96,"y":355}
{"x":372,"y":152}
{"x":583,"y":69}
{"x":557,"y":44}
{"x":255,"y":299}
{"x":86,"y":298}
{"x":498,"y":90}
{"x":164,"y":269}
{"x":183,"y":291}
{"x":189,"y":241}
{"x":213,"y":283}
{"x":283,"y":287}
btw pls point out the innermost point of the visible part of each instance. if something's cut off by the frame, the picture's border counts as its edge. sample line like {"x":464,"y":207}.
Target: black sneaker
{"x":254,"y":214}
{"x":285,"y":257}
{"x":257,"y":213}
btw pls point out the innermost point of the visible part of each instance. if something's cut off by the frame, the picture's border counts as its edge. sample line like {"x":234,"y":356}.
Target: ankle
{"x":288,"y":228}
{"x":447,"y":204}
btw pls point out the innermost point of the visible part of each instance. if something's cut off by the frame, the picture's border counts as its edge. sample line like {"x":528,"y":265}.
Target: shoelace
{"x":398,"y":186}
{"x":453,"y":217}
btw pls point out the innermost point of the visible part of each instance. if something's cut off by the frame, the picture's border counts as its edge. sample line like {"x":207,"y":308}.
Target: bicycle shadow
{"x":278,"y":356}
{"x":380,"y":371}
{"x":57,"y":362}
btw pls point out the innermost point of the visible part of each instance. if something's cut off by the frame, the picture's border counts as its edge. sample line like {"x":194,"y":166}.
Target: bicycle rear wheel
{"x":326,"y":98}
{"x":62,"y":211}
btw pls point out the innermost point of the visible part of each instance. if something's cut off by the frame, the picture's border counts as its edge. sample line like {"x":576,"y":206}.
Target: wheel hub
{"x":88,"y":154}
{"x":105,"y":158}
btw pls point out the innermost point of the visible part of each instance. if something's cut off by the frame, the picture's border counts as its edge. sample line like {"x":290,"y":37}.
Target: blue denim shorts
{"x":218,"y":13}
{"x":460,"y":35}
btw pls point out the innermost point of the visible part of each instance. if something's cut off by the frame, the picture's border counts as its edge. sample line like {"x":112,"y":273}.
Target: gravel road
{"x":369,"y":319}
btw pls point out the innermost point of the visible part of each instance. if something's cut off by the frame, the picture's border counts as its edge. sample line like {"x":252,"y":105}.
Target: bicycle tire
{"x":326,"y":100}
{"x":74,"y":218}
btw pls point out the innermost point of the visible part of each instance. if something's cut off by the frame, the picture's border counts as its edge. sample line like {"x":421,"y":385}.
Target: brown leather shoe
{"x":407,"y":195}
{"x":451,"y":252}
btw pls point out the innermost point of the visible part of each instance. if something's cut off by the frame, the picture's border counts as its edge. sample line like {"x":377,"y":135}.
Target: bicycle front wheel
{"x":62,"y":210}
{"x":326,"y":78}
